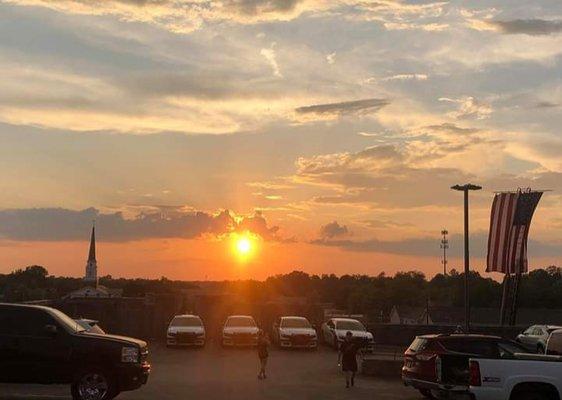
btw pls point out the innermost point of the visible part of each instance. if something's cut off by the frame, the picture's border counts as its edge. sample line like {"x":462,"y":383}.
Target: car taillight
{"x":475,"y":379}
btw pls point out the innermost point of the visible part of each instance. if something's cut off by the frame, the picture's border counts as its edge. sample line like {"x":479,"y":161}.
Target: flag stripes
{"x":510,"y":221}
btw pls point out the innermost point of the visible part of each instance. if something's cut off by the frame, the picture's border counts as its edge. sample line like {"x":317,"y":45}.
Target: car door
{"x":46,"y":346}
{"x":13,"y":367}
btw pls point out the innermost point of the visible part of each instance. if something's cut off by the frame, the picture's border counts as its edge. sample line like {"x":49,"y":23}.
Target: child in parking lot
{"x":348,"y":358}
{"x":263,"y":353}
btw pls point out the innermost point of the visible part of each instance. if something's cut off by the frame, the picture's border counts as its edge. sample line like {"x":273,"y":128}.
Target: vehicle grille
{"x":186,"y":338}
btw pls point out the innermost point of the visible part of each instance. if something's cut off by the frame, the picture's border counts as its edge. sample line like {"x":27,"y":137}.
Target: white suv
{"x":186,"y":330}
{"x":240,"y":330}
{"x":335,"y":329}
{"x":294,"y":332}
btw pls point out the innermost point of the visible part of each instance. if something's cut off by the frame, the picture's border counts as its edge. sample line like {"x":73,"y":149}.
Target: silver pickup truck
{"x":521,"y":377}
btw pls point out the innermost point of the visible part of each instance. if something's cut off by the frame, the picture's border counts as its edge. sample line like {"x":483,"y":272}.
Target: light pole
{"x":465,"y":189}
{"x":444,"y":246}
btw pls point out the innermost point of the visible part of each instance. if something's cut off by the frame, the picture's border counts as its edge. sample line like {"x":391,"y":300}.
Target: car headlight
{"x":201,"y":334}
{"x":227,"y":334}
{"x":129,"y":354}
{"x":171,"y":333}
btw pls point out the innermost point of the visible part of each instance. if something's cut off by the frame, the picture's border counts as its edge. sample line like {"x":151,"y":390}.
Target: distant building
{"x":93,"y":289}
{"x":96,"y":292}
{"x":91,"y":275}
{"x":403,"y":315}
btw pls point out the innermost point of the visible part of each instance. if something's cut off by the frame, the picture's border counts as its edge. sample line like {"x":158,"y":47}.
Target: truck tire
{"x":93,"y":384}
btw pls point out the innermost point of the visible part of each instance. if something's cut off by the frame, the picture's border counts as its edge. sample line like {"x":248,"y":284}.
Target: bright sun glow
{"x":244,"y":245}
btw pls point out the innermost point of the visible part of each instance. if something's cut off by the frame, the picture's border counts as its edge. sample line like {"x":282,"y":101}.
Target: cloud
{"x":429,"y":246}
{"x":402,"y":15}
{"x":331,"y":58}
{"x":59,"y":224}
{"x":406,"y":77}
{"x":181,"y":16}
{"x":469,"y":108}
{"x":366,"y":106}
{"x":533,"y":27}
{"x":333,"y":230}
{"x":271,"y":57}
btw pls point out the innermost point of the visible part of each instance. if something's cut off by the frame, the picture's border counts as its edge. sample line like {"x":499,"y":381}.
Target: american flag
{"x":509,"y":228}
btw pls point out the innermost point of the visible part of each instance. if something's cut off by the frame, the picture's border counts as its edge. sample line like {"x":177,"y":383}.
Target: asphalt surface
{"x":215,"y":373}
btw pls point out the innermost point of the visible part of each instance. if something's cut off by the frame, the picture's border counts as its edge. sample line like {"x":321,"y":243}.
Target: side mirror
{"x":51,"y":330}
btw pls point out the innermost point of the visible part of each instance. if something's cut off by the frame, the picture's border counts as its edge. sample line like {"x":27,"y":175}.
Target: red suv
{"x":437,"y":365}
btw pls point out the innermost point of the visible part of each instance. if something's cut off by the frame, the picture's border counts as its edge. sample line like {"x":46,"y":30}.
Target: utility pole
{"x":466,"y":188}
{"x":444,"y":246}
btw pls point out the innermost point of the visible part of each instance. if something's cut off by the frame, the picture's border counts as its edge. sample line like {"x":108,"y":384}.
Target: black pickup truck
{"x":43,"y":345}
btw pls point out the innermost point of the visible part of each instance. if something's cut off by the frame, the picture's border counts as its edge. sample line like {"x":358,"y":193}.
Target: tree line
{"x":370,"y":295}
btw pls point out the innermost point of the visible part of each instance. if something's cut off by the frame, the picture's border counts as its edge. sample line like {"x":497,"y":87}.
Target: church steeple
{"x":92,"y":254}
{"x":91,"y":265}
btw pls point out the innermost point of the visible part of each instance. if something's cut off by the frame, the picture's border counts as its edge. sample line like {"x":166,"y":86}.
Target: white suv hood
{"x":297,"y":331}
{"x":241,"y":329}
{"x":186,"y":329}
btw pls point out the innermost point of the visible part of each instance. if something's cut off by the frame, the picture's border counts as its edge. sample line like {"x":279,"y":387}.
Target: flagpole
{"x":465,"y":189}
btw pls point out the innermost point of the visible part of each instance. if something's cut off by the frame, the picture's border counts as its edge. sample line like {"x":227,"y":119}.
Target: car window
{"x":244,"y":322}
{"x":529,"y":330}
{"x":479,"y":347}
{"x":295,"y":323}
{"x":186,"y":321}
{"x":350,"y":325}
{"x":538,"y":331}
{"x":418,"y":344}
{"x":31,"y":322}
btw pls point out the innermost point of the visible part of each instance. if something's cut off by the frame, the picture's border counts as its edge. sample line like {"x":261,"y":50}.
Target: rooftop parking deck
{"x":216,"y":373}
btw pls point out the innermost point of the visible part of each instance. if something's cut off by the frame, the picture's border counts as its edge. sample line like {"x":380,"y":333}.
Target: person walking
{"x":347,"y":357}
{"x":263,"y":353}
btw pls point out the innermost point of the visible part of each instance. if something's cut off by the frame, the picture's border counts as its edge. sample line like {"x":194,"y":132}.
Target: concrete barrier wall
{"x":403,"y":335}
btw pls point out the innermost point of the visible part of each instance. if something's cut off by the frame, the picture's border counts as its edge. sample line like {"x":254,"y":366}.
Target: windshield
{"x":244,"y":322}
{"x":350,"y":325}
{"x":186,"y":321}
{"x":67,"y":322}
{"x":295,"y":323}
{"x":90,"y":326}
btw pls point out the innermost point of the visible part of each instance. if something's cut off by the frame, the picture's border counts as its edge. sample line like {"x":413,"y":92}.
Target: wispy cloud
{"x":271,"y":57}
{"x":534,"y":27}
{"x":345,"y":107}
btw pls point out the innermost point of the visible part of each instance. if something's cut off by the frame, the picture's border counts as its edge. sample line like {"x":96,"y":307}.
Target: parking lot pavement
{"x":215,"y":373}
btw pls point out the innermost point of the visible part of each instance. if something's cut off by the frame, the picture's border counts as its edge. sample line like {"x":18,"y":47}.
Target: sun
{"x":243,"y":245}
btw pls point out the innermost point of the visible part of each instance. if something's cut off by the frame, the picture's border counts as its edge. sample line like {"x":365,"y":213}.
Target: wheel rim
{"x":93,"y":386}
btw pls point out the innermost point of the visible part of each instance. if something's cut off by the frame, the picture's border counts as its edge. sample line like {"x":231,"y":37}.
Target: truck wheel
{"x":93,"y":384}
{"x":426,"y":393}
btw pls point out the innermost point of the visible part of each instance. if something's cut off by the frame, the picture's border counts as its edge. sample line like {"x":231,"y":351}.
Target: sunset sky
{"x":330,"y":130}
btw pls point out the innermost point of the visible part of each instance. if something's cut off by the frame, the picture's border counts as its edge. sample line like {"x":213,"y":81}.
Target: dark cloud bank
{"x":58,"y":224}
